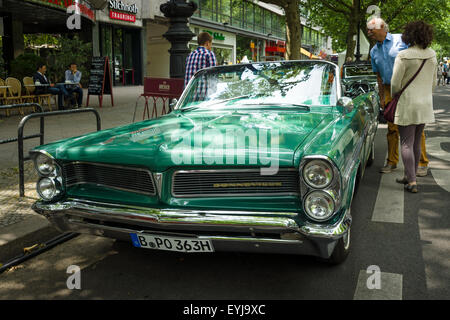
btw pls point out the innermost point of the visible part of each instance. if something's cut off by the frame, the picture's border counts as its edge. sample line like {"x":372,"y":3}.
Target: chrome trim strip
{"x":31,"y":152}
{"x":189,"y":219}
{"x":280,"y":241}
{"x":229,"y":170}
{"x":222,"y":238}
{"x":212,"y":195}
{"x":355,"y":156}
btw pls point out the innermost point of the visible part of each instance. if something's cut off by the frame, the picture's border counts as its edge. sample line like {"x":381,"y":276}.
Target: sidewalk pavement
{"x":20,"y":226}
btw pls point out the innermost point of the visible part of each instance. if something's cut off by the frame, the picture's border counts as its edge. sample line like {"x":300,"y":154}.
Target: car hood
{"x":191,"y":138}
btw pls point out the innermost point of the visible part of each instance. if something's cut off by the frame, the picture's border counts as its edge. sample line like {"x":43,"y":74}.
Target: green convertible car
{"x":261,"y":157}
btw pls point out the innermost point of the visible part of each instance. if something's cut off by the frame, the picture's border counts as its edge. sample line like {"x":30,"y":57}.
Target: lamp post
{"x":179,"y":34}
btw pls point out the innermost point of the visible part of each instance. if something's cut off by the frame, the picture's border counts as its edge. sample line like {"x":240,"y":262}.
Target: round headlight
{"x":47,"y":189}
{"x":317,"y":174}
{"x":319,"y":205}
{"x":44,"y":165}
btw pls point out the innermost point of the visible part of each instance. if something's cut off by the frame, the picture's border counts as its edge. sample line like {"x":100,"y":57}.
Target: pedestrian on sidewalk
{"x":383,"y":56}
{"x":43,"y":85}
{"x":201,"y":58}
{"x":73,"y":78}
{"x":440,"y":74}
{"x":415,"y":106}
{"x":446,"y":71}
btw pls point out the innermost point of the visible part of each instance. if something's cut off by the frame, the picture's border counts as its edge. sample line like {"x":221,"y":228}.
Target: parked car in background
{"x":358,"y":77}
{"x":259,"y":157}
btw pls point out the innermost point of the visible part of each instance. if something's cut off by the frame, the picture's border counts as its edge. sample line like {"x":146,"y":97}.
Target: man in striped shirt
{"x":201,"y":58}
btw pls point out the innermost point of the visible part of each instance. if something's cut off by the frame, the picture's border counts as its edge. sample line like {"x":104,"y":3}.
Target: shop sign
{"x":127,"y":11}
{"x":85,"y":9}
{"x":122,"y":16}
{"x":119,"y":5}
{"x":216,"y":35}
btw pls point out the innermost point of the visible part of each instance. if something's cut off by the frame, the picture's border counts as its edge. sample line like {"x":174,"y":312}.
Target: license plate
{"x":179,"y":244}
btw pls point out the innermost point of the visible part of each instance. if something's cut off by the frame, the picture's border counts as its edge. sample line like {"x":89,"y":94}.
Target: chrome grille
{"x":118,"y":177}
{"x":234,"y":182}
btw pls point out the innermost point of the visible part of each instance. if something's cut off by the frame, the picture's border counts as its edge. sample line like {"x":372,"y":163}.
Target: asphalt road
{"x":404,"y":236}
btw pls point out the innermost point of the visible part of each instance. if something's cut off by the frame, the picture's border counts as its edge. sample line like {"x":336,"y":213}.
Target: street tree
{"x":339,"y":18}
{"x":293,"y":27}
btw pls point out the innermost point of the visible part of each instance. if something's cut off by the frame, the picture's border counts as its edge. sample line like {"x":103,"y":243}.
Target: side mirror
{"x":173,"y":104}
{"x":346,"y":103}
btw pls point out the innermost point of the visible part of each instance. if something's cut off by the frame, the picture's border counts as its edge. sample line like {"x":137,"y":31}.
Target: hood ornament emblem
{"x":157,"y":177}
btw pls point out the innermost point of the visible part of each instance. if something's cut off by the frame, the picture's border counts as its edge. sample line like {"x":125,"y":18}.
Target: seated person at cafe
{"x":74,"y":76}
{"x":40,"y":80}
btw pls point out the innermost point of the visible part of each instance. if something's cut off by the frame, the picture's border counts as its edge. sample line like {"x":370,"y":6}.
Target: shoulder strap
{"x":411,"y":80}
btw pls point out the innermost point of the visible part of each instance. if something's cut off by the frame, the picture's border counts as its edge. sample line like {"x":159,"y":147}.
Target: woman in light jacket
{"x":415,"y":106}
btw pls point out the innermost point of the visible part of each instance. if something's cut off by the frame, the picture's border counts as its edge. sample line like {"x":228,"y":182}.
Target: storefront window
{"x":225,"y":10}
{"x":106,"y":41}
{"x":267,"y":21}
{"x":236,"y":13}
{"x":242,"y":14}
{"x":118,"y":57}
{"x":243,"y":47}
{"x":207,"y":9}
{"x":223,"y":55}
{"x":249,"y":16}
{"x":122,"y":47}
{"x":259,"y":22}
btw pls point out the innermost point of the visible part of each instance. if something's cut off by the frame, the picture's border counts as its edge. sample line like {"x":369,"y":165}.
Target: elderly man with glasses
{"x":383,"y":56}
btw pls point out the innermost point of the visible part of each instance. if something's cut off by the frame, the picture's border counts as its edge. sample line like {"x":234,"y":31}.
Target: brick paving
{"x":14,"y":209}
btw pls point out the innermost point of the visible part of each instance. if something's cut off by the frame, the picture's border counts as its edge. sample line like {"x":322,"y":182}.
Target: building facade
{"x":249,"y":30}
{"x":239,"y":29}
{"x":119,"y":35}
{"x":19,"y":17}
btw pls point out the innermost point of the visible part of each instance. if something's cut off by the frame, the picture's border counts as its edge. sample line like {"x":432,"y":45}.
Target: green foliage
{"x":71,"y":50}
{"x":334,"y":16}
{"x":441,"y":42}
{"x":25,"y":65}
{"x":40,"y":39}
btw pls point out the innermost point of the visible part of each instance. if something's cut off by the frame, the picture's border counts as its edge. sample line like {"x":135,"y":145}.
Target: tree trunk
{"x":293,"y":30}
{"x":352,"y":30}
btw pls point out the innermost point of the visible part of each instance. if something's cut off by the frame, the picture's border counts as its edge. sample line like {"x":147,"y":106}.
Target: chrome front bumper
{"x":248,"y":231}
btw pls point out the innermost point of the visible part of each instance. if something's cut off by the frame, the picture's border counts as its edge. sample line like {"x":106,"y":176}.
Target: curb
{"x":14,"y":238}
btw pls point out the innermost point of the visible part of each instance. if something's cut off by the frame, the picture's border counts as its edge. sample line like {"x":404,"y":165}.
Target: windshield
{"x":299,"y":83}
{"x":357,"y":71}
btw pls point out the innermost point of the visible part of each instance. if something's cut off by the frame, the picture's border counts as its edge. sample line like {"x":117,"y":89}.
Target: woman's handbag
{"x":389,"y":109}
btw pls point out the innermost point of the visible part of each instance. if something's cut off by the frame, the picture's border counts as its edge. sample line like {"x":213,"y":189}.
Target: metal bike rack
{"x":42,"y":115}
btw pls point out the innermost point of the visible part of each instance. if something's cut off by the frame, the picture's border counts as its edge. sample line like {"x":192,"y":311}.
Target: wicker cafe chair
{"x":15,"y":91}
{"x":30,"y":88}
{"x":3,"y":93}
{"x":45,"y":98}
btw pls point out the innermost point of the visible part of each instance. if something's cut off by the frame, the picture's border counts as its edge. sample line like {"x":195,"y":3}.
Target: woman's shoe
{"x":402,"y":180}
{"x":411,"y":188}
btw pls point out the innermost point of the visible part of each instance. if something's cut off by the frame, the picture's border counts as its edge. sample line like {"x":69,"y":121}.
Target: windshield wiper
{"x":189,"y":108}
{"x":212,"y":103}
{"x":229,"y":99}
{"x":305,"y":106}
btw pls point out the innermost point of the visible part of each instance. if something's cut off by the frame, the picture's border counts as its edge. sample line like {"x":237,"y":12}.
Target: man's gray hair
{"x":378,"y":23}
